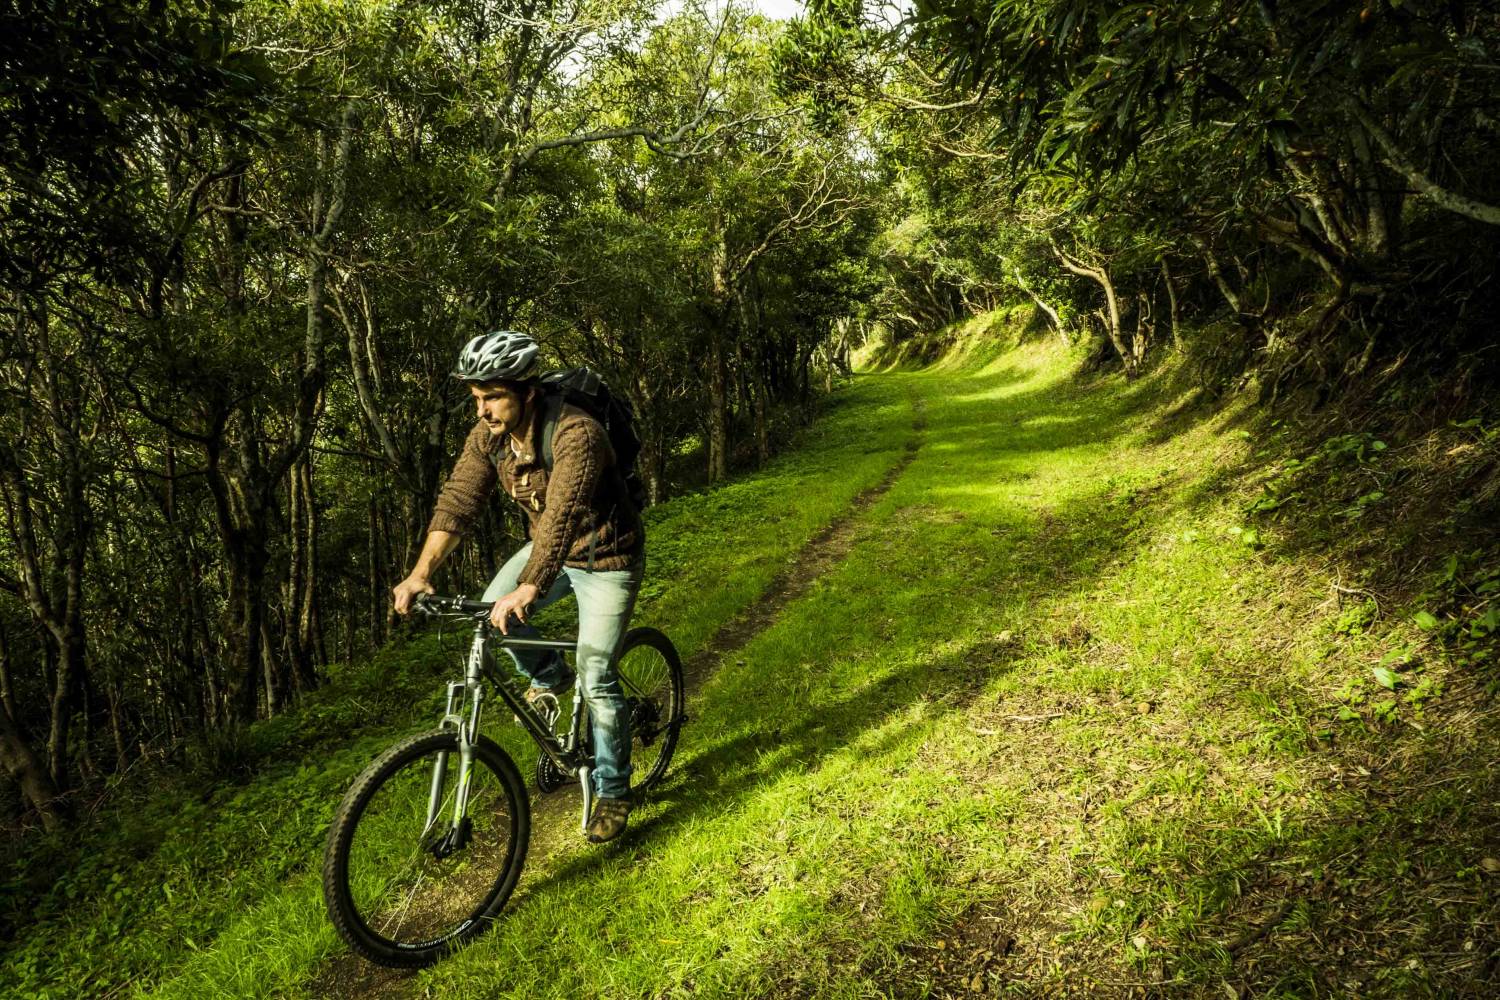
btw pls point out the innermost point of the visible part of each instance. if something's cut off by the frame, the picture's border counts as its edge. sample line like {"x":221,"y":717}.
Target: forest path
{"x":824,"y":550}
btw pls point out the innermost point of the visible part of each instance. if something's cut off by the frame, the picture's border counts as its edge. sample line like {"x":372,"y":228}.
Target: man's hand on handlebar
{"x":407,"y":589}
{"x":517,"y":602}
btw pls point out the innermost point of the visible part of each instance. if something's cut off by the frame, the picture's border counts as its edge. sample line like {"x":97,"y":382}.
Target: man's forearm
{"x":434,"y":551}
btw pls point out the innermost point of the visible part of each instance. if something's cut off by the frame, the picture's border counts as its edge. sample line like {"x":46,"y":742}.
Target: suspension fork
{"x":471,"y":690}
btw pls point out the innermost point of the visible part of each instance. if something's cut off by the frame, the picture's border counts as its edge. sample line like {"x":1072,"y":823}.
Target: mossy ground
{"x":1064,"y":718}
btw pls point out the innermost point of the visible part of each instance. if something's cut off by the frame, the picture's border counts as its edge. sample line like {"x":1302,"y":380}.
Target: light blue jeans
{"x":605,"y":600}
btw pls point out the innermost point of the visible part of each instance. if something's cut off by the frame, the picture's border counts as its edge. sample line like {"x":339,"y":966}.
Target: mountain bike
{"x":429,"y":841}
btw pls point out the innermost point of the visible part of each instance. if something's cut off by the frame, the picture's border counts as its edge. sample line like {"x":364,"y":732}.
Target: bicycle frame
{"x":403,"y":891}
{"x":569,"y":757}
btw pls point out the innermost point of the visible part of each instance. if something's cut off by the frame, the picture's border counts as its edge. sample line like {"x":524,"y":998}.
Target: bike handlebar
{"x":432,"y":604}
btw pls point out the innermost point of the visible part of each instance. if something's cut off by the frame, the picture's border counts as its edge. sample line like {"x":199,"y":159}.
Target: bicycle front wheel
{"x":403,"y":890}
{"x":651,"y":676}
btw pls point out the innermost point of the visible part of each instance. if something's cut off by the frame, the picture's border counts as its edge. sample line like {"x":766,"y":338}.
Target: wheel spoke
{"x":405,"y":906}
{"x":652,"y":680}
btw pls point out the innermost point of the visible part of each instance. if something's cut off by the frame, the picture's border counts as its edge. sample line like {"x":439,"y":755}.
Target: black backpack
{"x":586,"y":390}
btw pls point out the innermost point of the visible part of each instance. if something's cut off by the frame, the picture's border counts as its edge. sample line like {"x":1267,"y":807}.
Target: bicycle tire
{"x":388,"y":803}
{"x":651,"y":675}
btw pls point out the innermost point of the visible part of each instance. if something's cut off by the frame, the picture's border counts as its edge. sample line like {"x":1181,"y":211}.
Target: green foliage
{"x":82,"y":88}
{"x":1117,"y":714}
{"x":242,"y":240}
{"x":245,"y":243}
{"x":1295,"y":165}
{"x":1460,"y":610}
{"x":168,"y":872}
{"x":192,"y":874}
{"x":1332,"y":480}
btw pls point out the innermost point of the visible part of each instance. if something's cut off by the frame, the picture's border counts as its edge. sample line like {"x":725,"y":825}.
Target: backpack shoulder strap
{"x":552,"y":404}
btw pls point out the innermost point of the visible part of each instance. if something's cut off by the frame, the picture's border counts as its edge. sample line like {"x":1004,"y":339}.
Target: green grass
{"x":1064,"y":718}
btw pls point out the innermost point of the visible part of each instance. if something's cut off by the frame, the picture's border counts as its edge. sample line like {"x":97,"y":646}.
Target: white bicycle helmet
{"x":502,"y":355}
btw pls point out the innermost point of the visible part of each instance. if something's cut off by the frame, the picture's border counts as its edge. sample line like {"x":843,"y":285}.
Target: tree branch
{"x":362,"y":386}
{"x":968,"y":154}
{"x":1398,"y":161}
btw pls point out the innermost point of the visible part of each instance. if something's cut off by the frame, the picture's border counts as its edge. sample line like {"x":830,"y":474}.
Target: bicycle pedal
{"x":548,"y":707}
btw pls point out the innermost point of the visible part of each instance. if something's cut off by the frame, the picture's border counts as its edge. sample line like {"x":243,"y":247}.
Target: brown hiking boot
{"x":609,"y":819}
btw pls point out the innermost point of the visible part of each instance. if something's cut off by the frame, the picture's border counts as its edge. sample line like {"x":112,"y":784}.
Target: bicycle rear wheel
{"x":403,"y":893}
{"x":651,"y":675}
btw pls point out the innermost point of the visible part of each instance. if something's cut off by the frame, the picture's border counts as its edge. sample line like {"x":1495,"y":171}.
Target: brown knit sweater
{"x":581,"y":502}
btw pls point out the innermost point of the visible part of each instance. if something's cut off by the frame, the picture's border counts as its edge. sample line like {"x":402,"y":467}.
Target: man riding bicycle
{"x":585,"y":535}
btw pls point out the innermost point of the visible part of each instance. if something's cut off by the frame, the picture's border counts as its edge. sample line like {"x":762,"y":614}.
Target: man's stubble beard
{"x":503,"y":429}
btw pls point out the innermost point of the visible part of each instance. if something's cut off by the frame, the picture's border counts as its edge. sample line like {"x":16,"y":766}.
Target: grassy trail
{"x":991,"y":697}
{"x":1047,"y":725}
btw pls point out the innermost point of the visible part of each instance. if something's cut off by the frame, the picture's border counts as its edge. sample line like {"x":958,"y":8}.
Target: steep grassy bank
{"x":1074,"y":713}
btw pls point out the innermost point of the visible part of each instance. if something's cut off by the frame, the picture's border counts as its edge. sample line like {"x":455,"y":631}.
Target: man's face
{"x":500,"y":406}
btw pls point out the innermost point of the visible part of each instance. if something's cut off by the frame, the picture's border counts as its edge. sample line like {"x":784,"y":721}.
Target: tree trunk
{"x":431,"y":472}
{"x":295,"y":590}
{"x":243,"y":508}
{"x":348,"y":633}
{"x":247,"y":606}
{"x":303,"y":581}
{"x":26,"y":770}
{"x":718,"y":363}
{"x":754,"y":379}
{"x":326,"y":213}
{"x":186,"y":584}
{"x":1376,"y":235}
{"x":1166,"y":274}
{"x":376,"y":576}
{"x":1144,"y":327}
{"x":1100,"y":274}
{"x":385,"y":553}
{"x":53,"y":574}
{"x":320,"y":639}
{"x":652,"y":461}
{"x":19,"y":760}
{"x":243,"y":520}
{"x":1214,"y":272}
{"x":718,"y":411}
{"x":275,"y":687}
{"x":762,"y":423}
{"x":1051,"y":313}
{"x":307,"y":676}
{"x":1397,"y":160}
{"x":7,"y":690}
{"x":117,"y":727}
{"x":1314,"y":193}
